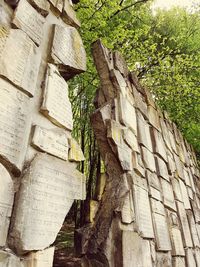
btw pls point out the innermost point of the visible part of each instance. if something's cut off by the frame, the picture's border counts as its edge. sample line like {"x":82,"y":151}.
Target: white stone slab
{"x":130,"y":139}
{"x":148,"y":159}
{"x":144,"y":132}
{"x":178,"y":262}
{"x":190,"y":258}
{"x":176,"y":189}
{"x":6,"y":203}
{"x":184,"y":194}
{"x":56,"y":105}
{"x":53,"y":141}
{"x":187,"y":239}
{"x":157,"y":207}
{"x":158,"y":144}
{"x":162,"y":168}
{"x":69,"y":15}
{"x":42,"y":258}
{"x":143,"y":212}
{"x":128,"y":213}
{"x":161,"y":233}
{"x":136,"y":251}
{"x":177,"y":244}
{"x":14,"y":125}
{"x":168,"y":195}
{"x":193,"y":229}
{"x":127,"y":114}
{"x":47,"y":192}
{"x":75,"y":152}
{"x":163,"y":259}
{"x":9,"y":260}
{"x":19,"y":59}
{"x":29,"y":20}
{"x":68,"y":50}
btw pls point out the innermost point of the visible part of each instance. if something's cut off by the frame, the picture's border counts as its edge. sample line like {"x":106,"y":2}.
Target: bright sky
{"x":167,"y":4}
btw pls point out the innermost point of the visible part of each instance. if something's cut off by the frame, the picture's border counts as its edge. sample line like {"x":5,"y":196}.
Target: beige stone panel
{"x":58,"y":4}
{"x":128,"y":213}
{"x":171,"y":163}
{"x":14,"y":126}
{"x":179,"y":167}
{"x":125,"y":157}
{"x":75,"y":152}
{"x":156,"y":194}
{"x":168,"y":195}
{"x":197,"y":256}
{"x":184,"y":193}
{"x":178,"y":262}
{"x":157,"y":207}
{"x":177,"y":244}
{"x":187,"y":239}
{"x":127,"y":114}
{"x":53,"y":141}
{"x":193,"y":229}
{"x":143,"y":212}
{"x":6,"y":13}
{"x":20,"y":68}
{"x":196,"y":211}
{"x":177,"y":189}
{"x":69,"y":15}
{"x":143,"y":132}
{"x":6,"y":203}
{"x":190,"y":260}
{"x":140,"y":103}
{"x":162,"y":169}
{"x":131,"y":139}
{"x":148,"y":159}
{"x":158,"y":144}
{"x":47,"y":192}
{"x":68,"y":51}
{"x":42,"y":6}
{"x":56,"y":105}
{"x":29,"y":20}
{"x":119,"y":82}
{"x":154,"y":117}
{"x":163,"y":259}
{"x":138,"y":164}
{"x":172,"y":141}
{"x":153,"y":180}
{"x":40,"y":258}
{"x":136,"y":251}
{"x":165,"y":133}
{"x":9,"y":260}
{"x":161,"y":232}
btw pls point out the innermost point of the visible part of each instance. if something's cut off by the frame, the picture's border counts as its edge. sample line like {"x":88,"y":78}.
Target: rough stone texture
{"x":148,"y":214}
{"x":42,"y":186}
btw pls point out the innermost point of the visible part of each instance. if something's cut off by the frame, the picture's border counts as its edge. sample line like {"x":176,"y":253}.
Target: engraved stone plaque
{"x":168,"y":194}
{"x":14,"y":125}
{"x":56,"y":105}
{"x":163,"y":259}
{"x":177,"y":244}
{"x":29,"y":20}
{"x":184,"y":194}
{"x":136,"y":251}
{"x":177,"y":189}
{"x":144,"y":132}
{"x":187,"y":239}
{"x":190,"y":258}
{"x":69,"y":15}
{"x":47,"y":192}
{"x":178,"y":262}
{"x":128,"y":214}
{"x":22,"y":67}
{"x":143,"y":212}
{"x":158,"y":144}
{"x":130,"y":139}
{"x":6,"y":203}
{"x":162,"y":168}
{"x":53,"y":141}
{"x":161,"y":233}
{"x":68,"y":51}
{"x":9,"y":260}
{"x":148,"y":159}
{"x":193,"y":228}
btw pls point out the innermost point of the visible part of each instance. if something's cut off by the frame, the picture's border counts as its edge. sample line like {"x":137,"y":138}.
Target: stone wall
{"x":149,"y":212}
{"x":39,"y":45}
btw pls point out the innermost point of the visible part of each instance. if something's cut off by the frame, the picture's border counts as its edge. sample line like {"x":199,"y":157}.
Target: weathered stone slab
{"x":9,"y":260}
{"x":138,"y":164}
{"x":130,"y":139}
{"x":40,"y":258}
{"x":119,"y":83}
{"x":153,"y":180}
{"x":47,"y":192}
{"x":177,"y":244}
{"x":161,"y":232}
{"x":190,"y":260}
{"x":179,"y":167}
{"x":5,"y":13}
{"x":177,"y":189}
{"x":127,"y":114}
{"x":14,"y":125}
{"x":163,"y":259}
{"x":69,"y":15}
{"x":128,"y":213}
{"x":148,"y":159}
{"x":20,"y":68}
{"x":184,"y":193}
{"x":68,"y":51}
{"x":165,"y":132}
{"x":56,"y":105}
{"x":29,"y":20}
{"x":178,"y":262}
{"x":143,"y":132}
{"x":58,"y":4}
{"x":197,"y":256}
{"x":158,"y":144}
{"x":42,"y":6}
{"x":154,"y":117}
{"x":75,"y":152}
{"x":157,"y":207}
{"x":168,"y":195}
{"x":53,"y":141}
{"x":6,"y":203}
{"x":136,"y":251}
{"x":193,"y":229}
{"x":187,"y":239}
{"x":143,"y":212}
{"x":196,"y":211}
{"x":162,"y":169}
